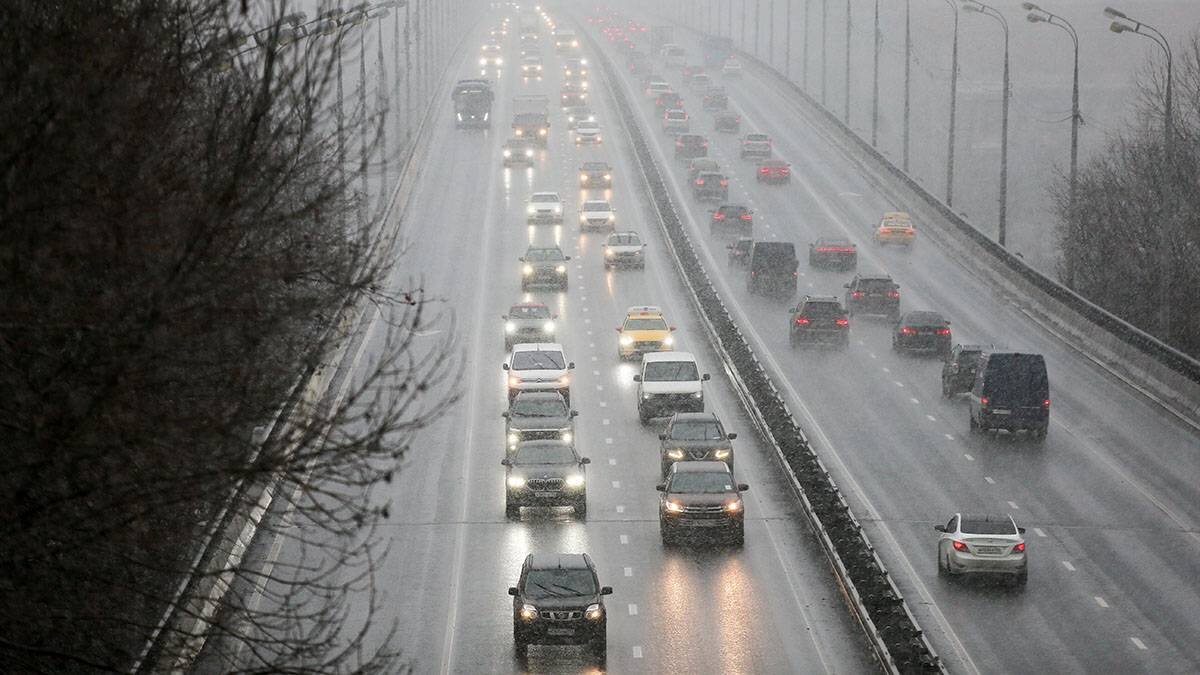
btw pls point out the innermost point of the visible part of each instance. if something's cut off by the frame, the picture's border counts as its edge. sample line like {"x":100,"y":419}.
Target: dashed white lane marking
{"x":914,"y":400}
{"x":898,"y":383}
{"x":583,"y":298}
{"x":1068,"y":565}
{"x":887,"y":370}
{"x":628,"y":571}
{"x":1013,"y":506}
{"x":599,"y":387}
{"x":608,"y":441}
{"x":587,"y":320}
{"x":1038,"y":532}
{"x":585,"y":309}
{"x":989,"y":480}
{"x":969,"y":457}
{"x":602,"y":404}
{"x":624,"y":539}
{"x":589,"y":333}
{"x":591,"y":345}
{"x":1100,"y":601}
{"x":606,"y":421}
{"x":872,"y":355}
{"x":632,"y":609}
{"x":637,"y":651}
{"x":620,"y":508}
{"x":595,"y":372}
{"x":949,"y":437}
{"x":616,"y":484}
{"x":1138,"y":643}
{"x":612,"y":461}
{"x":931,"y":418}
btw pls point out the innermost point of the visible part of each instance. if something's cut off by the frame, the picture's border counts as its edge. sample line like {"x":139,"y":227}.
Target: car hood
{"x":590,"y":215}
{"x":688,"y":387}
{"x":571,"y":602}
{"x":701,"y":499}
{"x":697,"y":445}
{"x":625,"y":248}
{"x":522,"y":423}
{"x":538,"y":375}
{"x":529,"y":323}
{"x":543,"y":470}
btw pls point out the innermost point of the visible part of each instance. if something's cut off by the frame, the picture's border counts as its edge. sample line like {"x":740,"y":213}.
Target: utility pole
{"x":824,"y":42}
{"x":907,"y":78}
{"x":875,"y":84}
{"x":953,"y":108}
{"x":787,"y":41}
{"x":846,"y":113}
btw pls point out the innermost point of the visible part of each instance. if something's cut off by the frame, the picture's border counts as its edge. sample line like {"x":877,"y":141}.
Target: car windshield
{"x":875,"y":285}
{"x":543,"y":198}
{"x":756,"y":138}
{"x":538,"y":361}
{"x":645,"y":324}
{"x":987,"y":527}
{"x":526,"y":406}
{"x":529,"y":312}
{"x":596,"y":206}
{"x":544,"y":453}
{"x":544,"y":255}
{"x":697,"y":430}
{"x":822,"y":309}
{"x":559,"y":583}
{"x":595,"y":166}
{"x":676,"y":115}
{"x":624,"y":240}
{"x":671,"y":371}
{"x":702,"y":482}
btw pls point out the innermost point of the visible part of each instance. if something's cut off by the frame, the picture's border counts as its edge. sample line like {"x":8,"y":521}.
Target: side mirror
{"x":637,"y":378}
{"x":506,"y":414}
{"x":939,"y":528}
{"x":731,"y":436}
{"x":705,"y":378}
{"x":661,"y":487}
{"x":662,"y":437}
{"x":504,"y":317}
{"x":793,"y":310}
{"x":512,"y":590}
{"x":504,"y":366}
{"x":947,"y":323}
{"x":571,"y":366}
{"x":845,"y":285}
{"x":574,"y":413}
{"x":606,"y":590}
{"x":742,"y":487}
{"x":673,"y":328}
{"x":619,"y":329}
{"x":895,"y":287}
{"x":1021,"y":530}
{"x":505,"y":462}
{"x":566,"y":257}
{"x":585,"y":460}
{"x":522,"y":258}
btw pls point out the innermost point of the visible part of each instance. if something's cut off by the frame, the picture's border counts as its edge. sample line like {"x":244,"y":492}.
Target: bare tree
{"x":178,"y":249}
{"x":1132,"y":242}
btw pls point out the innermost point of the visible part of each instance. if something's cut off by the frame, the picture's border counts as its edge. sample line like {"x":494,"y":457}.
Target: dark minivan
{"x":1011,"y":392}
{"x":772,"y":268}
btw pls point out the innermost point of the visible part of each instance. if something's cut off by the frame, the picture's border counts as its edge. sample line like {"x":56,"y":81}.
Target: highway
{"x":1110,"y":500}
{"x":769,"y":607}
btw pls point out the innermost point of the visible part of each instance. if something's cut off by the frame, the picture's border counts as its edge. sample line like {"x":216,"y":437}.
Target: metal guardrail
{"x":878,"y":606}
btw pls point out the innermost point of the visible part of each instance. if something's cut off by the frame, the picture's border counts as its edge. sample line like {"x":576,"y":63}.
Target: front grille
{"x":698,"y":454}
{"x":562,"y":615}
{"x":673,"y":399}
{"x":540,"y":435}
{"x":597,"y":221}
{"x":647,"y":345}
{"x":545,"y":484}
{"x":709,"y":511}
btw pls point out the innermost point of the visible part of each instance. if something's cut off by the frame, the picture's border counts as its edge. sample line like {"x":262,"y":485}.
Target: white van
{"x":670,"y":382}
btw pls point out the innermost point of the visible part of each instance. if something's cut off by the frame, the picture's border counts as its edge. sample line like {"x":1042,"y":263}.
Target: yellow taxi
{"x":644,"y":330}
{"x":895,"y":228}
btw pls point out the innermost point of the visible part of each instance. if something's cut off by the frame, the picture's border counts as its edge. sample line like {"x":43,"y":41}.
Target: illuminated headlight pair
{"x":575,"y":480}
{"x":626,"y":340}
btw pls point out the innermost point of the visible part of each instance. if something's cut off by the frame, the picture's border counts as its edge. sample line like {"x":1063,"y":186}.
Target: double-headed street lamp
{"x":987,"y":10}
{"x":1124,"y":24}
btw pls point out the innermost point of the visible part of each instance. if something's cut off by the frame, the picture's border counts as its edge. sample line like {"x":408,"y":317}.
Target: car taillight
{"x":802,"y":321}
{"x":785,"y":171}
{"x":704,"y":144}
{"x":895,"y":295}
{"x":718,"y":216}
{"x":724,"y":183}
{"x":1046,"y":404}
{"x":943,"y":331}
{"x":747,"y":216}
{"x":843,"y":322}
{"x":1019,"y":548}
{"x":753,"y":275}
{"x":857,"y":295}
{"x":984,"y":401}
{"x":908,"y":331}
{"x":699,"y":181}
{"x":960,"y":546}
{"x":764,"y":171}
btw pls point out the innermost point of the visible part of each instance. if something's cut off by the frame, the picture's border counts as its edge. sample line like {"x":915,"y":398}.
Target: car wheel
{"x":512,"y":511}
{"x":1021,"y":578}
{"x":581,"y":507}
{"x":520,"y":646}
{"x":945,"y":389}
{"x":974,"y":426}
{"x":739,"y":536}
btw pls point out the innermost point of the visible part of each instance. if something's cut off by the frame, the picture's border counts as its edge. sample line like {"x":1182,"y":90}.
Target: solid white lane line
{"x":1100,"y":601}
{"x":989,"y":480}
{"x":637,"y":651}
{"x":624,"y":539}
{"x":969,"y":458}
{"x":1038,"y":531}
{"x":1138,"y":643}
{"x":1068,"y":565}
{"x":616,"y":484}
{"x":632,"y":609}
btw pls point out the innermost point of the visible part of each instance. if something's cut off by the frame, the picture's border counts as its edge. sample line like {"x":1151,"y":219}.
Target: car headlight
{"x":516,"y":482}
{"x":599,"y":138}
{"x":527,"y":270}
{"x":564,"y":380}
{"x":508,"y":153}
{"x":698,"y":394}
{"x":510,"y":327}
{"x":733,"y":506}
{"x":591,"y":118}
{"x":561,"y":269}
{"x":674,"y":507}
{"x":669,"y":340}
{"x":483,"y":62}
{"x":721,"y":454}
{"x":499,"y":61}
{"x":646,"y":396}
{"x":514,"y":438}
{"x":541,"y":132}
{"x":608,"y":253}
{"x":529,"y":153}
{"x":575,"y":480}
{"x":626,"y":340}
{"x":528,"y":612}
{"x":567,"y":436}
{"x":514,"y":381}
{"x":608,"y":176}
{"x":519,"y":132}
{"x":594,"y":612}
{"x":675,"y":454}
{"x":548,"y":327}
{"x":583,"y":178}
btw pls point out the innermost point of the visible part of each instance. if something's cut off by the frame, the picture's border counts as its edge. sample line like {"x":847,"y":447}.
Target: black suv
{"x":558,"y":600}
{"x":701,"y":499}
{"x":819,"y":320}
{"x":958,"y":372}
{"x":710,"y":185}
{"x":873,"y":294}
{"x":694,"y":437}
{"x":691,"y":146}
{"x":833,"y":253}
{"x":538,"y":416}
{"x":922,"y":332}
{"x":1011,"y":392}
{"x":731,"y":219}
{"x":544,"y":473}
{"x":772,"y":268}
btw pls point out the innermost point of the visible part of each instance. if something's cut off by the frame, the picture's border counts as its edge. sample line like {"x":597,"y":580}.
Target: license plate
{"x":545,"y":494}
{"x":989,"y":550}
{"x":1001,"y":412}
{"x":706,"y":523}
{"x":560,"y":631}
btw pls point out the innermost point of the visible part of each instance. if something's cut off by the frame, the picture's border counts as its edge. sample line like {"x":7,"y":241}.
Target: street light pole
{"x":787,"y":41}
{"x":846,"y":110}
{"x":953,"y":108}
{"x":804,"y":48}
{"x":771,"y":33}
{"x":875,"y":84}
{"x":824,"y":41}
{"x":987,"y":10}
{"x":1124,"y":24}
{"x":907,"y":77}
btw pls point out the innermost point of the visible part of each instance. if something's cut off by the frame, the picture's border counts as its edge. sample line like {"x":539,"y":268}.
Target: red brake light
{"x":747,"y":216}
{"x":724,"y":182}
{"x":1019,"y":548}
{"x":983,"y":401}
{"x":802,"y":321}
{"x":943,"y":331}
{"x":895,"y":295}
{"x":1046,"y":404}
{"x":856,"y":295}
{"x":908,"y":331}
{"x":764,"y":170}
{"x":718,"y":216}
{"x":960,"y":546}
{"x":699,"y":181}
{"x":843,"y":322}
{"x":785,"y":171}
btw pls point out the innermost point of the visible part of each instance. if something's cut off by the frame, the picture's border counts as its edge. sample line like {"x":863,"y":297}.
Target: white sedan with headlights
{"x":538,"y":367}
{"x":624,"y":249}
{"x":544,"y":207}
{"x":597,"y":214}
{"x":528,"y":322}
{"x":587,"y":132}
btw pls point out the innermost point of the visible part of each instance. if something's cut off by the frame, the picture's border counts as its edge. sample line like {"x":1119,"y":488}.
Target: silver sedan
{"x":982,"y":544}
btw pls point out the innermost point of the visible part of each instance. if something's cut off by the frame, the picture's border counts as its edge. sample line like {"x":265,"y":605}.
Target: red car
{"x":774,"y":171}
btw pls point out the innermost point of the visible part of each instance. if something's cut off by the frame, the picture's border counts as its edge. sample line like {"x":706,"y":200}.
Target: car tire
{"x":974,"y":426}
{"x":581,"y":507}
{"x":512,"y":511}
{"x":1021,"y":578}
{"x":943,"y":568}
{"x":520,"y":646}
{"x":739,"y":536}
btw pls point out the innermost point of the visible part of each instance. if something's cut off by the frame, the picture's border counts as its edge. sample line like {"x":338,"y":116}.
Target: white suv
{"x":545,"y":207}
{"x":670,"y":382}
{"x":539,"y":366}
